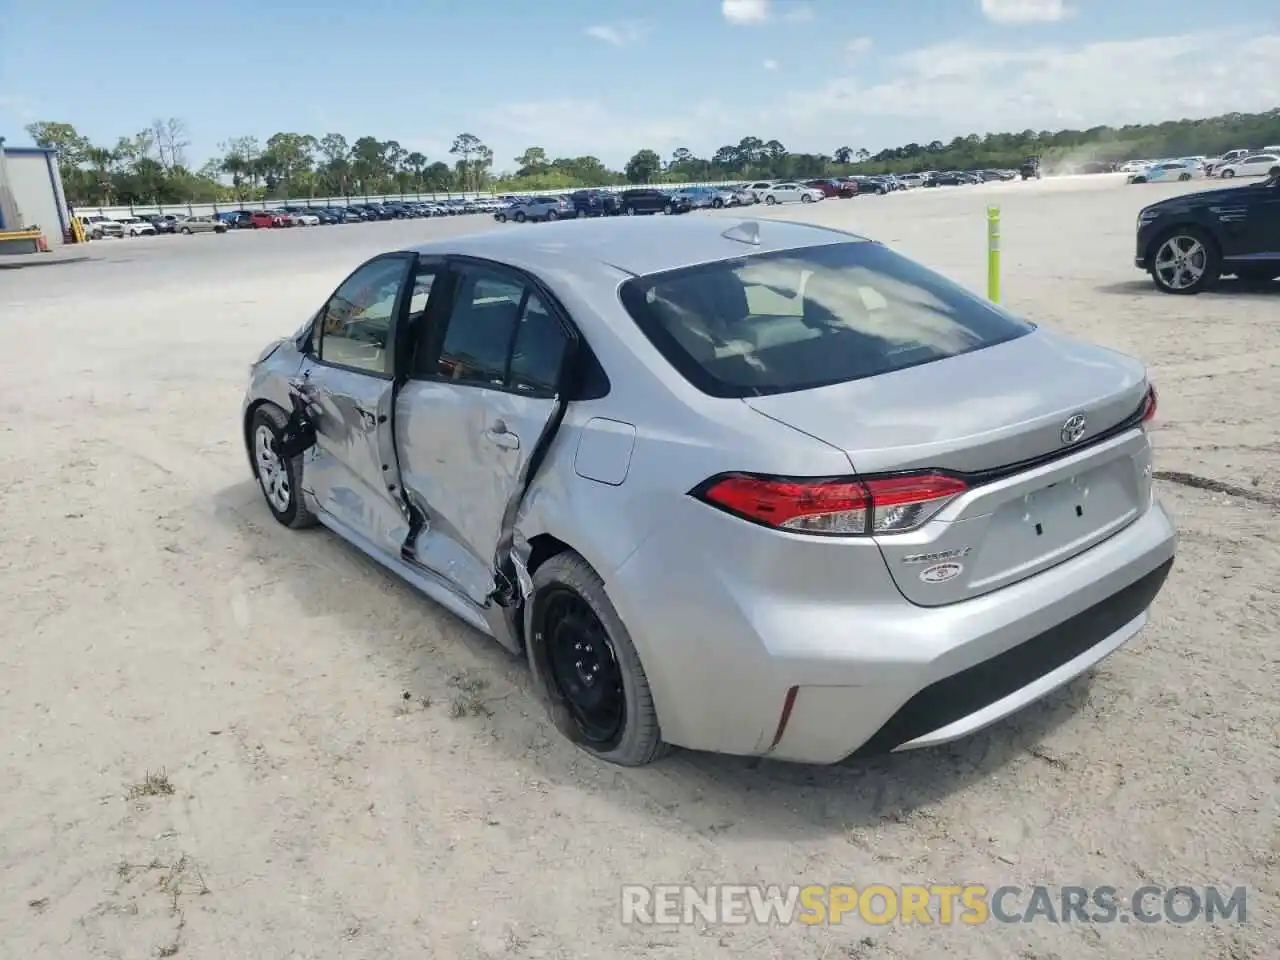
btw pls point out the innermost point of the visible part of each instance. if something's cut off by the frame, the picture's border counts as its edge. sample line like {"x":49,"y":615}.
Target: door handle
{"x":367,"y":418}
{"x":500,"y":436}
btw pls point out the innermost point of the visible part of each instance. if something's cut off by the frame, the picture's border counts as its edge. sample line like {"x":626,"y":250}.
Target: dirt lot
{"x":225,"y":739}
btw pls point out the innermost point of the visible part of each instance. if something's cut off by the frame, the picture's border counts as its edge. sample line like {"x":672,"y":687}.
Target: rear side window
{"x":805,"y":318}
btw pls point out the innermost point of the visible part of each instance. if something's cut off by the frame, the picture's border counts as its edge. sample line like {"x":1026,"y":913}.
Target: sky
{"x":610,"y":77}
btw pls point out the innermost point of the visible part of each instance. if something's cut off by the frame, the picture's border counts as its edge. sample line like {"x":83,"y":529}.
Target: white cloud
{"x":935,"y":92}
{"x":771,"y":64}
{"x":1025,"y":11}
{"x":755,"y":12}
{"x":858,"y":45}
{"x":745,"y":11}
{"x":618,"y":34}
{"x":957,"y":88}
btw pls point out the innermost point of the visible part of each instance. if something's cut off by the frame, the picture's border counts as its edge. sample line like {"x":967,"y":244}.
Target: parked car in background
{"x":757,"y":188}
{"x":843,"y":188}
{"x":137,"y":227}
{"x":641,"y":201}
{"x":910,"y":180}
{"x":1253,"y":165}
{"x":797,"y":548}
{"x":98,"y":227}
{"x":1170,"y":170}
{"x":874,"y":185}
{"x":326,"y":216}
{"x":707,"y":198}
{"x":587,"y":203}
{"x":201,"y":224}
{"x":1187,"y":243}
{"x":266,"y":219}
{"x":537,"y":209}
{"x":163,"y":222}
{"x":789,"y":192}
{"x":1214,"y":165}
{"x":304,"y":218}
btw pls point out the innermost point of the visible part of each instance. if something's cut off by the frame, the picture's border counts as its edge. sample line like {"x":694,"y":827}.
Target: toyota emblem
{"x":1073,"y":429}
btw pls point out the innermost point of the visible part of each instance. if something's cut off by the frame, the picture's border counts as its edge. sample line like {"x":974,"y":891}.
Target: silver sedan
{"x":750,"y":486}
{"x":191,"y":225}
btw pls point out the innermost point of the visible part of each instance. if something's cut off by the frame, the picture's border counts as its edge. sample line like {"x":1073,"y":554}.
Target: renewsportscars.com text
{"x":944,"y":904}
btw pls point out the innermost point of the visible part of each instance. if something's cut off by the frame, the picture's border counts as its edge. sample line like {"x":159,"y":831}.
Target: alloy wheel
{"x":272,"y":472}
{"x":1180,"y":262}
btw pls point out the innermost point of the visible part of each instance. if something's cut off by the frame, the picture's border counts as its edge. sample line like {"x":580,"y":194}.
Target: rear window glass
{"x":805,"y":318}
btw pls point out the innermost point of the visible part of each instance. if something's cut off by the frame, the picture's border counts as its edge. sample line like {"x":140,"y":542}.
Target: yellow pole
{"x":993,"y":254}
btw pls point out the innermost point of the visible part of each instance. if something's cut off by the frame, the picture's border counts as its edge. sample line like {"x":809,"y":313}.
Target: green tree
{"x":644,"y":167}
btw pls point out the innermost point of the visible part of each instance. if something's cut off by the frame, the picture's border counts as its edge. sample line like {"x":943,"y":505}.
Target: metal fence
{"x":207,"y":209}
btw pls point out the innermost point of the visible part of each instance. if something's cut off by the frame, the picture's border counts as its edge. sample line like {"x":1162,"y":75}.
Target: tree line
{"x":151,"y":166}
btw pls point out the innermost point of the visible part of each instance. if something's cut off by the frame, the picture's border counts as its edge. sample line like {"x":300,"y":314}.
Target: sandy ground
{"x":298,"y":702}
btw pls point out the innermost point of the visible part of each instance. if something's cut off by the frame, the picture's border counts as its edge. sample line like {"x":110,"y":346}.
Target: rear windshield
{"x":805,"y":318}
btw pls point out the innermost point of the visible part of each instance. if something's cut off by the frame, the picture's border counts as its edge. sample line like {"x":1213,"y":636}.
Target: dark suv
{"x":644,"y":200}
{"x":594,"y":203}
{"x":1187,"y":243}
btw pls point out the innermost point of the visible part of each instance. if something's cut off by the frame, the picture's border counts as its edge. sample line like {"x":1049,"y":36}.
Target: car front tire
{"x":770,"y":200}
{"x":280,"y":480}
{"x":587,"y":668}
{"x":1200,"y":252}
{"x":520,"y":217}
{"x":1228,"y":174}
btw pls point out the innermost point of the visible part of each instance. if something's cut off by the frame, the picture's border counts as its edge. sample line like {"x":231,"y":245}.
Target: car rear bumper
{"x":872,"y":674}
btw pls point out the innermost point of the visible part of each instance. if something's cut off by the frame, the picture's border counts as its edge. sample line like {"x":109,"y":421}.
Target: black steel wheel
{"x":586,"y":666}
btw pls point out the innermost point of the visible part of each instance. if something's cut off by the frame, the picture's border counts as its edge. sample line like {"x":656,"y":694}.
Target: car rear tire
{"x":187,"y":231}
{"x":628,"y":211}
{"x":552,"y":215}
{"x":1183,"y":177}
{"x":501,"y":217}
{"x":587,"y":668}
{"x":668,"y":209}
{"x":1274,"y":172}
{"x":770,"y":200}
{"x":520,"y":217}
{"x":1185,"y":261}
{"x":805,"y":198}
{"x":280,"y":480}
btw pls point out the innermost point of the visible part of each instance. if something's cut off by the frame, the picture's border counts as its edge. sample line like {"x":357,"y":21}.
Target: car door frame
{"x":511,"y":584}
{"x":380,"y":473}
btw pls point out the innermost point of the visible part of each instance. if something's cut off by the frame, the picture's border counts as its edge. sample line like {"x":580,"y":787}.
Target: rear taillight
{"x":1149,"y":405}
{"x":845,"y":507}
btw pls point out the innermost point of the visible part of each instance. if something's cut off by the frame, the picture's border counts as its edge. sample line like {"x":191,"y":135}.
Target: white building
{"x":31,"y":194}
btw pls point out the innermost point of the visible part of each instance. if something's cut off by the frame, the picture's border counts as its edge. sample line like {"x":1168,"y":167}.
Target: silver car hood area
{"x":928,"y":416}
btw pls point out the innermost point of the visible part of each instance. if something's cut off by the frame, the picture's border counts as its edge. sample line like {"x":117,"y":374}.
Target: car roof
{"x":635,"y":245}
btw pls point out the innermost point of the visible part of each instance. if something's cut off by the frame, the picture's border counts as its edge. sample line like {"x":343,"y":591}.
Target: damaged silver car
{"x":754,"y":487}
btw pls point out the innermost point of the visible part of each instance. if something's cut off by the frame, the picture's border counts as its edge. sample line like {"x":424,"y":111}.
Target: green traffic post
{"x":993,"y":254}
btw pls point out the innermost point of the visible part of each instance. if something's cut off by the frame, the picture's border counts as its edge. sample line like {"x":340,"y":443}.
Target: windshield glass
{"x":799,"y":319}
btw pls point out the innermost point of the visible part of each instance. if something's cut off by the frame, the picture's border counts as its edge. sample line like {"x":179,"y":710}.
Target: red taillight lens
{"x":1149,"y":405}
{"x":843,"y":507}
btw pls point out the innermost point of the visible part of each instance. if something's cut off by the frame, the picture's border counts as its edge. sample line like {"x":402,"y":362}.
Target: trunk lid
{"x":1035,"y":499}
